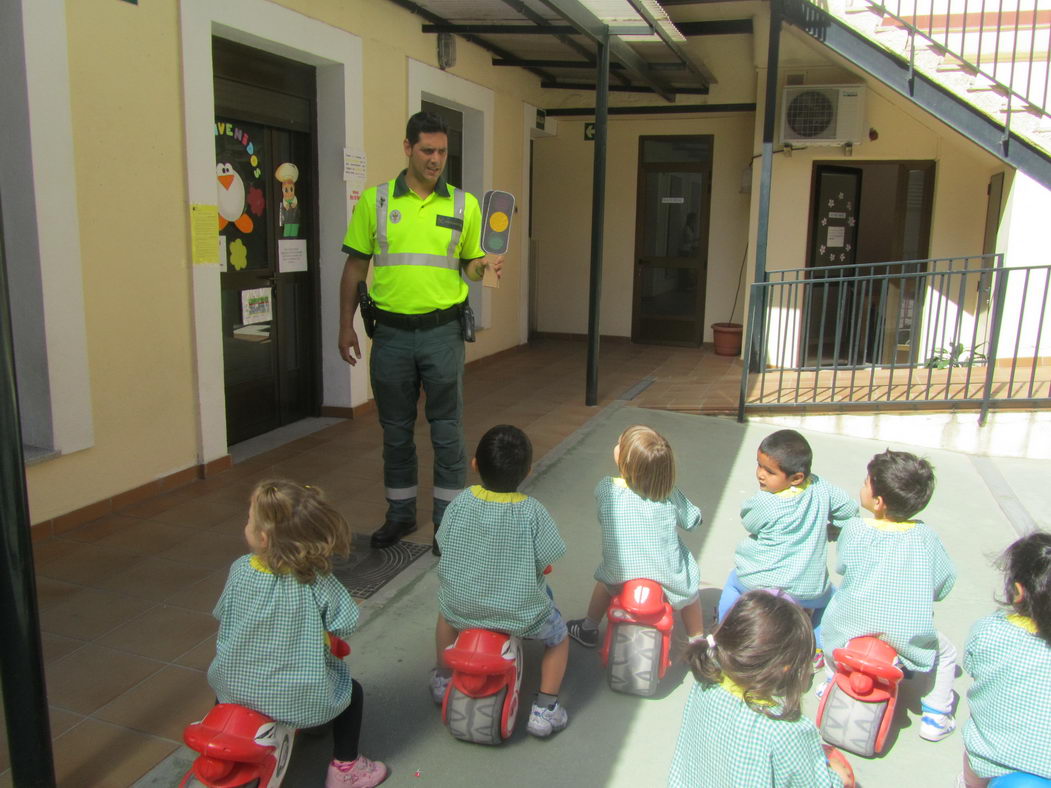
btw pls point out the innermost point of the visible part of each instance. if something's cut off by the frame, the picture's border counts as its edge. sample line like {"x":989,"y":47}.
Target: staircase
{"x":982,"y":66}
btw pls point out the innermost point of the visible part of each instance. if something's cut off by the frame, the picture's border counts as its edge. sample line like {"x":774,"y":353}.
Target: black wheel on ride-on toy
{"x":475,"y":719}
{"x":634,"y":659}
{"x":851,"y":724}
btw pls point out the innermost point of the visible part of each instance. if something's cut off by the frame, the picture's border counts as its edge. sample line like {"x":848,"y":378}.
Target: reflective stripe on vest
{"x":383,"y":257}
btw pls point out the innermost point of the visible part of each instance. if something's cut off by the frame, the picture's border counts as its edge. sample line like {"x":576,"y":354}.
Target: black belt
{"x":439,"y":317}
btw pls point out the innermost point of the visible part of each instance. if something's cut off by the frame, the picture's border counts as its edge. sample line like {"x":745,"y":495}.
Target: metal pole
{"x":753,"y":356}
{"x":21,"y":655}
{"x":598,"y":210}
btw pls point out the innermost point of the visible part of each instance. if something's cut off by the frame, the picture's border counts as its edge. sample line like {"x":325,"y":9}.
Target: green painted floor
{"x":618,"y":740}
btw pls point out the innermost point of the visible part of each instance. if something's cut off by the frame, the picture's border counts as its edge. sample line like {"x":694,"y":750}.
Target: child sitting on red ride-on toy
{"x":894,"y":569}
{"x":277,"y":615}
{"x":742,"y":724}
{"x":495,"y":545}
{"x":640,"y":514}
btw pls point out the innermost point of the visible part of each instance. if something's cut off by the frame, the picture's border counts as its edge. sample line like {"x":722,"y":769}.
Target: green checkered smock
{"x":271,"y":654}
{"x":1010,"y":700}
{"x":893,"y":573}
{"x":725,"y":744}
{"x":639,"y":539}
{"x":787,"y":547}
{"x":495,"y":547}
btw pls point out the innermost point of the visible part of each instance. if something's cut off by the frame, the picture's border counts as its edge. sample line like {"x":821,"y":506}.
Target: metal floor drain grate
{"x":366,"y":571}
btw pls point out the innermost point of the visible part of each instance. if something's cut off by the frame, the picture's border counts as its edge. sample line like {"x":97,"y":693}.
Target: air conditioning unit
{"x":823,"y":115}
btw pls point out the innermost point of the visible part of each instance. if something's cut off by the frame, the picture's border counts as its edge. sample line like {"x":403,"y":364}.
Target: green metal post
{"x":21,"y":655}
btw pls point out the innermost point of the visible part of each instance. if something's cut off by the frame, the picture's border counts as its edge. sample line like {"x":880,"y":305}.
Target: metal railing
{"x":963,"y":332}
{"x":1006,"y":41}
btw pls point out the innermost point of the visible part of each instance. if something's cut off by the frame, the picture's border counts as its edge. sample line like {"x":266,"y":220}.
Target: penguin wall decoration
{"x":232,"y":203}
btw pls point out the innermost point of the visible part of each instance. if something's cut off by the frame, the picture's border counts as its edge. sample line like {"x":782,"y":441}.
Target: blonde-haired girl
{"x":278,"y":613}
{"x":639,"y":513}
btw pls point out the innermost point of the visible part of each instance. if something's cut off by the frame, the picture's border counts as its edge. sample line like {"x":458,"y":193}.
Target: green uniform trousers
{"x":401,"y":360}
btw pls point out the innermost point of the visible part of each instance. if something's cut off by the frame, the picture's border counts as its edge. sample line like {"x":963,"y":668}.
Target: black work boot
{"x":390,"y":532}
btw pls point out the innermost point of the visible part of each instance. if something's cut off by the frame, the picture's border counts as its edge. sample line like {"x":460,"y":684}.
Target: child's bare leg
{"x":444,"y":636}
{"x":600,"y":599}
{"x":553,"y":667}
{"x":693,"y":618}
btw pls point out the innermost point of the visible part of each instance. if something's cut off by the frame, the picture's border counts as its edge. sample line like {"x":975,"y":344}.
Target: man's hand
{"x":495,"y":262}
{"x":348,"y":341}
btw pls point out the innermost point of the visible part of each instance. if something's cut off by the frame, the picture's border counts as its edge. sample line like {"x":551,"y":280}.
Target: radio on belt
{"x":497,"y":209}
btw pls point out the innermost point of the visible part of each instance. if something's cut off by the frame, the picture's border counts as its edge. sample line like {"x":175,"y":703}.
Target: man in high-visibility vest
{"x":421,"y":233}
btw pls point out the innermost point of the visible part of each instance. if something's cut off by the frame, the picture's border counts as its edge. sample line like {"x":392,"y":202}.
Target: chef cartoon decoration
{"x":232,"y":209}
{"x":288,"y":174}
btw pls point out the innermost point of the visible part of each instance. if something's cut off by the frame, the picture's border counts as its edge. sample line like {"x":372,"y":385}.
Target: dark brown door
{"x":265,"y":163}
{"x":671,"y":240}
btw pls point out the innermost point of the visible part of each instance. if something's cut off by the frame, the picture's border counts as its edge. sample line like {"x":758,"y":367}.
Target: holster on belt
{"x":467,"y":321}
{"x":368,"y":309}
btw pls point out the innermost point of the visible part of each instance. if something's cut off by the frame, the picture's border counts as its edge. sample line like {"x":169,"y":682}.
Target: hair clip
{"x":710,"y":640}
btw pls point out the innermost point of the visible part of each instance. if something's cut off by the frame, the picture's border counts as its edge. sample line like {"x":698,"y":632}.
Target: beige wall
{"x":127,"y":139}
{"x":130,"y":168}
{"x":562,"y":183}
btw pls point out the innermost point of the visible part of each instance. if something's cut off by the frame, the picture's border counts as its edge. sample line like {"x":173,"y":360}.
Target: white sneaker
{"x":936,"y":725}
{"x":543,"y":721}
{"x":439,"y":686}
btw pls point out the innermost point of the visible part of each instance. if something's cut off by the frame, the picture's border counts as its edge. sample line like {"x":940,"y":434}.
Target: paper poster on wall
{"x":355,"y":166}
{"x":256,"y":306}
{"x":222,"y":254}
{"x":836,"y":237}
{"x":291,"y":255}
{"x":204,"y":232}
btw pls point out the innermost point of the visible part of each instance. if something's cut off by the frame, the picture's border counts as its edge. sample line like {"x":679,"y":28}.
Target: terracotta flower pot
{"x":727,"y":338}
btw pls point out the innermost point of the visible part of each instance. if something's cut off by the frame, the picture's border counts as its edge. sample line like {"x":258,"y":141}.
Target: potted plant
{"x":726,"y":337}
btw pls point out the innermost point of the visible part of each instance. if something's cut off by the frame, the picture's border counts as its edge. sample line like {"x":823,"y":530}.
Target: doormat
{"x":365,"y":571}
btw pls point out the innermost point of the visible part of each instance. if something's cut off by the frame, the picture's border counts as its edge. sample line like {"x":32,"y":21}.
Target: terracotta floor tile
{"x":144,"y":537}
{"x":163,"y":704}
{"x":207,"y":550}
{"x":52,"y":549}
{"x":202,"y":595}
{"x":50,"y":592}
{"x":153,"y":578}
{"x":56,"y":646}
{"x":162,"y":503}
{"x":162,"y":633}
{"x":199,"y":513}
{"x":94,"y":676}
{"x":101,"y":528}
{"x":100,"y":755}
{"x":87,"y":563}
{"x":199,"y":657}
{"x":90,"y":612}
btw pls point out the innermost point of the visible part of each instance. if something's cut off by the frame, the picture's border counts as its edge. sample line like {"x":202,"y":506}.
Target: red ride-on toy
{"x":239,"y":748}
{"x":481,"y":701}
{"x":638,"y":638}
{"x":858,"y":706}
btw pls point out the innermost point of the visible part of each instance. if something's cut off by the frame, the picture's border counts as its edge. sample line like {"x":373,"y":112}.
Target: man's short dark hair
{"x":790,"y":450}
{"x":504,"y":456}
{"x":904,"y":481}
{"x":424,"y":123}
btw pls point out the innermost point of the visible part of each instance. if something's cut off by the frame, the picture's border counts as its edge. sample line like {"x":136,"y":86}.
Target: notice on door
{"x":836,"y":237}
{"x":291,"y":255}
{"x":204,"y":231}
{"x":256,"y":306}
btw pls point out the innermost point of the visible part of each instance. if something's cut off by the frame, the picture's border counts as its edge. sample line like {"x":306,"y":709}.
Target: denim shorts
{"x":553,"y":630}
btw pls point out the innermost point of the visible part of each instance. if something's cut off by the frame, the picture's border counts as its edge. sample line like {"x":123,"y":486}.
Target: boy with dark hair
{"x":495,"y":545}
{"x":894,"y":569}
{"x":787,"y":522}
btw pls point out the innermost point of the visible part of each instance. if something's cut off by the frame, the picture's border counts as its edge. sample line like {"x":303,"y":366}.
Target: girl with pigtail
{"x":750,"y":677}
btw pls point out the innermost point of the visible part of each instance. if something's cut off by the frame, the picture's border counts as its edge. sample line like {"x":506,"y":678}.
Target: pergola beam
{"x":591,"y":26}
{"x":694,"y":66}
